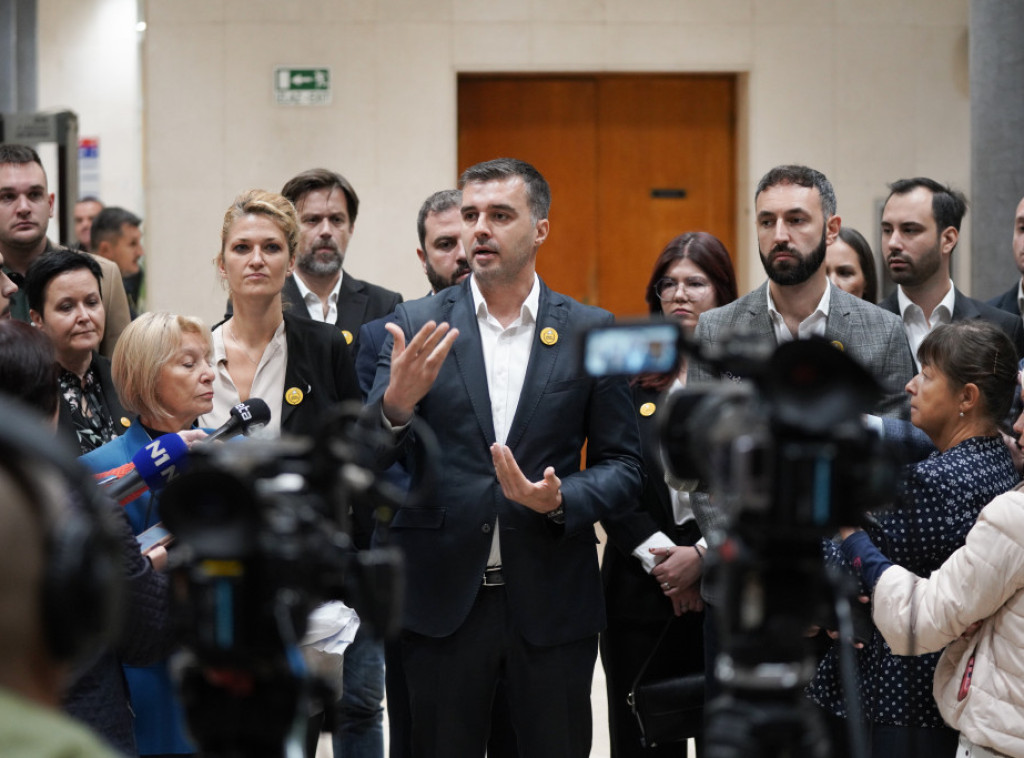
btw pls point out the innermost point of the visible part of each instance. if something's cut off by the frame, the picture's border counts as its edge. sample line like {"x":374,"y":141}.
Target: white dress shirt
{"x":506,"y":356}
{"x":915,"y":323}
{"x":812,"y":326}
{"x":315,"y":305}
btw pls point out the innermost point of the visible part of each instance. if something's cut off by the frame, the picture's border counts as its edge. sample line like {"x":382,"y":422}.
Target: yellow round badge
{"x":126,"y":422}
{"x":293,"y":396}
{"x":838,"y":346}
{"x":548,"y":336}
{"x":647,"y":409}
{"x":348,"y":340}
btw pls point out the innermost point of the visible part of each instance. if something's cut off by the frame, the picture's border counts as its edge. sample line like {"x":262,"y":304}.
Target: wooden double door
{"x":633,"y":161}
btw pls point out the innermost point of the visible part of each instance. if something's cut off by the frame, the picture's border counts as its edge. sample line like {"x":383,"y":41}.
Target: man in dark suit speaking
{"x":501,"y":564}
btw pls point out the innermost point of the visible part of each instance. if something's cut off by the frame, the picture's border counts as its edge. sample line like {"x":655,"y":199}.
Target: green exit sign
{"x":302,"y":86}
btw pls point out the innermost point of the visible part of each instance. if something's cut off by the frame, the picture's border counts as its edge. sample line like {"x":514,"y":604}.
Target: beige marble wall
{"x":865,"y":90}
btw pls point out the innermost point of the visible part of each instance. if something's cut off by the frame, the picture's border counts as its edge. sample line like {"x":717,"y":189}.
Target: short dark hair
{"x":439,"y":202}
{"x":948,"y":205}
{"x":802,"y":176}
{"x":52,"y":264}
{"x":108,"y":222}
{"x":866,"y":257}
{"x":321,"y":178}
{"x":28,"y":366}
{"x":975,"y":352}
{"x":18,"y":154}
{"x":538,"y":193}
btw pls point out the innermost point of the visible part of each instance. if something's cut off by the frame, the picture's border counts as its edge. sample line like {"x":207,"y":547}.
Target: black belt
{"x":493,"y":577}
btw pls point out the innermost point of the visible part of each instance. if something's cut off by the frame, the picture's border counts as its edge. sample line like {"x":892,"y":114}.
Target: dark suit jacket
{"x":1008,"y":301}
{"x":122,"y":418}
{"x":629,"y":590}
{"x":967,"y":308}
{"x":358,"y":302}
{"x":372,"y":336}
{"x":552,"y":580}
{"x":320,"y":365}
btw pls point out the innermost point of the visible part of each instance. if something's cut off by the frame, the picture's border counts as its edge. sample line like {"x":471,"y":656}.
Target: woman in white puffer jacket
{"x":975,"y":601}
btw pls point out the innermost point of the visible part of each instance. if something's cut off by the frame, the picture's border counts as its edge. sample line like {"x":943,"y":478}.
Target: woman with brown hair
{"x":652,"y":571}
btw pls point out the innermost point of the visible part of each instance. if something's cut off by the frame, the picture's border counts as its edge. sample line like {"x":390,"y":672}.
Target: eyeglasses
{"x":695,"y":287}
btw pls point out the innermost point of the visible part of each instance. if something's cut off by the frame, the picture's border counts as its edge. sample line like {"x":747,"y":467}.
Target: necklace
{"x":234,"y":338}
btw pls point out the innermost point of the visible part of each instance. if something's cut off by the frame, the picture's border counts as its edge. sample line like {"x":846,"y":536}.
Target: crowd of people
{"x":505,"y":604}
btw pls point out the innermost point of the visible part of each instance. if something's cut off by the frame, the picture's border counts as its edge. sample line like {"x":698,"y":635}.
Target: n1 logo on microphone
{"x":158,"y":453}
{"x":243,"y":411}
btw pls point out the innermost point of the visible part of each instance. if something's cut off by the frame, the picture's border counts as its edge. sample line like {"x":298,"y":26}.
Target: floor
{"x":599,"y":705}
{"x":598,"y":699}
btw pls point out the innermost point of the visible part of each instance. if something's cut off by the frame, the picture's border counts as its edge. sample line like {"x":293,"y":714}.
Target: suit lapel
{"x":553,"y":312}
{"x":296,"y":370}
{"x":964,"y":309}
{"x":760,"y":322}
{"x":352,"y":299}
{"x":837,"y":324}
{"x":458,"y":311}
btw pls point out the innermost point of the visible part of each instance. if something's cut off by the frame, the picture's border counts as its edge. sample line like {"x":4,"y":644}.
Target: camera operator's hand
{"x":680,"y":567}
{"x":686,"y":599}
{"x":414,"y":367}
{"x":543,"y":496}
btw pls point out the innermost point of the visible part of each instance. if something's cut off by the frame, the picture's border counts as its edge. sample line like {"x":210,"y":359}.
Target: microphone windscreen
{"x":158,"y":462}
{"x":253,"y":413}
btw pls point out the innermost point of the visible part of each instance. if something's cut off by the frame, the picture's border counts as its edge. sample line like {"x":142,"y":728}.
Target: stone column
{"x":997,"y":140}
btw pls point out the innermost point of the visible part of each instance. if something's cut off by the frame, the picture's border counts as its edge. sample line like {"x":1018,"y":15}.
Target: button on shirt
{"x":812,"y":326}
{"x":916,"y":325}
{"x":315,"y":305}
{"x":506,"y":355}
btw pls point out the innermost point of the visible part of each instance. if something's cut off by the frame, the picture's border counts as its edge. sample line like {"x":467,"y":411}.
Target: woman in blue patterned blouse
{"x":966,"y":385}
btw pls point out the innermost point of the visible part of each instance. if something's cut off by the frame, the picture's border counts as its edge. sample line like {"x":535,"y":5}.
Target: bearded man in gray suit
{"x":796,"y":220}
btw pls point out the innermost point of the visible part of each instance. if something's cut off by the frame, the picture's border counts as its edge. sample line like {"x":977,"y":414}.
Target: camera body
{"x":780,"y":458}
{"x":262,"y":537}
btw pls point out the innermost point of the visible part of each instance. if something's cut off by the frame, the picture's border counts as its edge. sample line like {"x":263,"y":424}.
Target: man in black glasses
{"x":26,"y":207}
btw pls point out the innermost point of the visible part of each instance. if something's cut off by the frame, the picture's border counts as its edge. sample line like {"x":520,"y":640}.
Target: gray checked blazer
{"x":870,"y":335}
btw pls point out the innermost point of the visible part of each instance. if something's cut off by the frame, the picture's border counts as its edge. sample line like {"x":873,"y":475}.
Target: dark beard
{"x":801,"y":271}
{"x":438,"y":282}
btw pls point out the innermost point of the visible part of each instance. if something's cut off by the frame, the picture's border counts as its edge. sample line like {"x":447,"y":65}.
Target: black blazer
{"x":319,"y":366}
{"x":966,"y":308}
{"x":552,"y":578}
{"x":358,"y":302}
{"x":1008,"y":301}
{"x":629,"y":590}
{"x":122,"y":418}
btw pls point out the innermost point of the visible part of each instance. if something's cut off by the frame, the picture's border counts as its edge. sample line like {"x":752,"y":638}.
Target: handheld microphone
{"x":245,"y":419}
{"x":155,"y":465}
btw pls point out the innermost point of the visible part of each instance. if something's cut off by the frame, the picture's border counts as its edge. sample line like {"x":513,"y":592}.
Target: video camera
{"x":784,"y":459}
{"x":262,"y":534}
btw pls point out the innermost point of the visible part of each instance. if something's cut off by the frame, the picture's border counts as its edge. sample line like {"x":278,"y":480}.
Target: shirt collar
{"x":947,"y":302}
{"x":528,"y":312}
{"x":822,"y":307}
{"x":306,"y":292}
